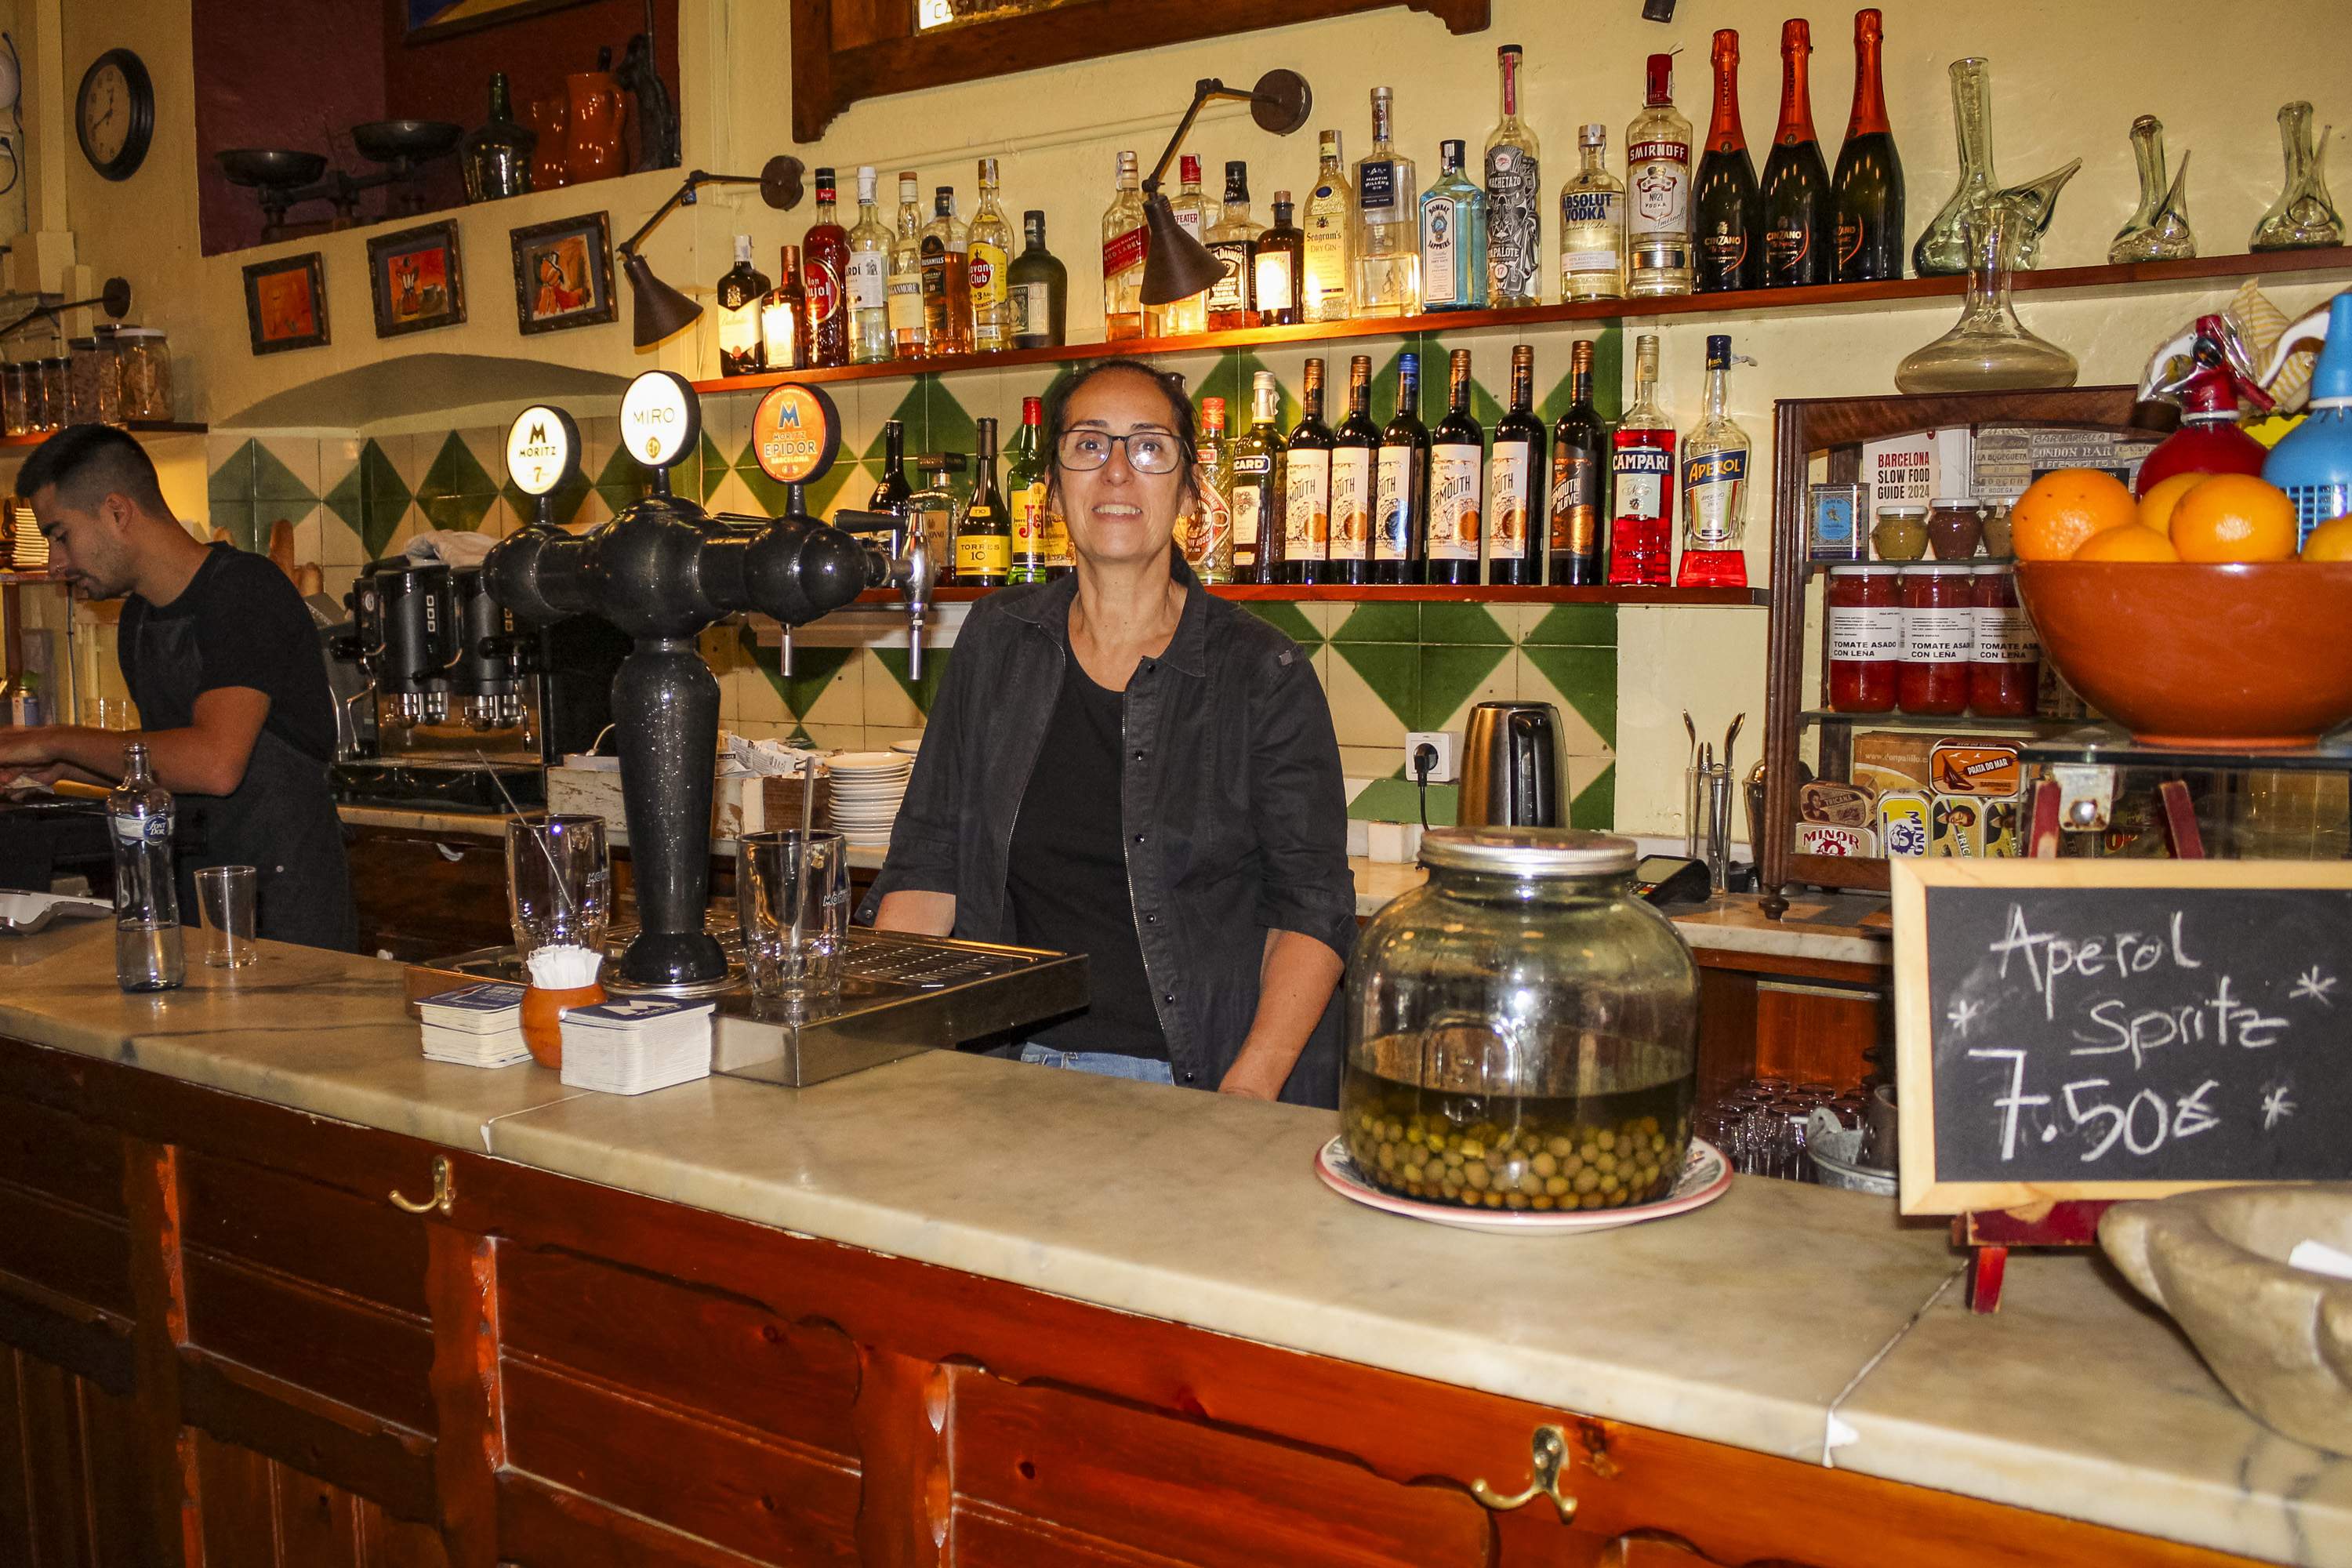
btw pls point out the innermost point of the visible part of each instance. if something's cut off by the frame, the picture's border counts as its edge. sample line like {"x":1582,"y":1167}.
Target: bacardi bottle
{"x":824,"y":261}
{"x":1453,"y":238}
{"x":990,"y":255}
{"x":867,"y":279}
{"x":1387,"y":248}
{"x":1124,"y":242}
{"x":1401,"y":488}
{"x":1457,"y":451}
{"x":1210,"y":548}
{"x":740,"y":293}
{"x":1514,"y":198}
{"x":1715,"y":486}
{"x":1641,"y":475}
{"x":1327,"y":289}
{"x":1592,"y":224}
{"x":1658,"y":191}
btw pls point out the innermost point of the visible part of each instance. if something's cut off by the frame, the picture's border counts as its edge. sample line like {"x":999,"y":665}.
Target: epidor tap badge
{"x":795,"y":434}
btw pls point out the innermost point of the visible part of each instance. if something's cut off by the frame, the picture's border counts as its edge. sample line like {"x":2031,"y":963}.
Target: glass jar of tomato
{"x":1938,"y":638}
{"x":2005,"y":669}
{"x":1865,"y":606}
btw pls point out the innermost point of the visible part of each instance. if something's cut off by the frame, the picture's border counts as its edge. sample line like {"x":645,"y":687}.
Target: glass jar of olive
{"x":1522,"y":1029}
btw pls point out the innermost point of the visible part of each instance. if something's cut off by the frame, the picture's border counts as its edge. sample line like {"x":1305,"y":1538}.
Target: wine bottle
{"x":1799,"y":222}
{"x":1580,"y":479}
{"x":1401,"y":494}
{"x":1867,"y":191}
{"x":1457,"y":448}
{"x":1354,"y":451}
{"x":1306,"y":488}
{"x":1730,"y":214}
{"x":1515,"y":477}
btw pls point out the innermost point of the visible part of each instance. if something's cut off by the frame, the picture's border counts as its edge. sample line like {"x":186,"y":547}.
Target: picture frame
{"x":563,"y":274}
{"x":426,"y":21}
{"x":415,"y":280}
{"x":286,"y":303}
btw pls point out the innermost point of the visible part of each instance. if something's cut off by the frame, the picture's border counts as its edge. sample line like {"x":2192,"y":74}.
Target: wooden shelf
{"x":1393,"y":594}
{"x":1746,"y":303}
{"x":1948,"y":724}
{"x":136,"y":427}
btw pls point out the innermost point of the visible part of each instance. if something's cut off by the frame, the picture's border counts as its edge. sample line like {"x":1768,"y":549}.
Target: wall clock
{"x":114,"y":113}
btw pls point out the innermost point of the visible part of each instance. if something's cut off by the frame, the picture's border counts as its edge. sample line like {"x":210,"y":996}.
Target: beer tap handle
{"x":784,"y":655}
{"x":908,"y":567}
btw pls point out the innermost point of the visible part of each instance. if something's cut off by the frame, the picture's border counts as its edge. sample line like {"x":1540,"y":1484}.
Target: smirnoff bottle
{"x":1715,"y":486}
{"x":1642,"y":469}
{"x":1514,"y":199}
{"x":1658,"y":191}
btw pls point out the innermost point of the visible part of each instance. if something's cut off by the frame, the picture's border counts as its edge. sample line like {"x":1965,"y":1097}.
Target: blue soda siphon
{"x":2313,"y":463}
{"x":1453,"y":237}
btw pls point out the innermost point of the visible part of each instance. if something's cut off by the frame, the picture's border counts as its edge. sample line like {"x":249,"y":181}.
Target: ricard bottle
{"x":1592,"y":224}
{"x":1514,"y":198}
{"x":1658,"y":191}
{"x":147,"y":951}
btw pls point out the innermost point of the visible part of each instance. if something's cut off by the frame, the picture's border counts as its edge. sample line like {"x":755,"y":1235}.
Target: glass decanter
{"x":1943,"y":251}
{"x":2303,"y":215}
{"x":1989,"y":349}
{"x":2159,"y":229}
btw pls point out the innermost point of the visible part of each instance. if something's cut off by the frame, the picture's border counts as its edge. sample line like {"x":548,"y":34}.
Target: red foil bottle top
{"x":1867,"y":27}
{"x":1032,"y":411}
{"x":1660,"y":80}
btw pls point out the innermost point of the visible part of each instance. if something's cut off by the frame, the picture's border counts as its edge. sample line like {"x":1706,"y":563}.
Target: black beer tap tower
{"x":661,"y":570}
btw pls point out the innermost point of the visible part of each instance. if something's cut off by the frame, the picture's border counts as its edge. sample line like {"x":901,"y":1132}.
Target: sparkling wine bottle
{"x":1799,"y":221}
{"x":1730,"y":213}
{"x":1867,"y":189}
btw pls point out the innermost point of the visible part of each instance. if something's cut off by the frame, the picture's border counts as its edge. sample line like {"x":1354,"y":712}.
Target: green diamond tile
{"x":948,"y":426}
{"x":770,"y":497}
{"x":1393,"y":672}
{"x":234,"y":480}
{"x":813,"y":669}
{"x":1399,"y":800}
{"x":462,"y":514}
{"x":240,"y":520}
{"x":344,"y":501}
{"x":1586,"y":678}
{"x":273,"y":481}
{"x":713,"y":469}
{"x":1451,"y":677}
{"x":1379,"y":622}
{"x":456,"y":471}
{"x":622,"y":481}
{"x":847,"y":483}
{"x":566,"y":498}
{"x":1577,"y":626}
{"x":1595,"y":805}
{"x":383,"y":499}
{"x":935,"y":669}
{"x":1460,"y":623}
{"x":909,"y":412}
{"x":1608,"y":359}
{"x":1286,"y":618}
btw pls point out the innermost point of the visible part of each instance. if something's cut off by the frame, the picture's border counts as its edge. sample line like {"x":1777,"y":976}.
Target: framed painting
{"x":426,"y":20}
{"x":415,"y":278}
{"x":286,"y":303}
{"x":563,"y":274}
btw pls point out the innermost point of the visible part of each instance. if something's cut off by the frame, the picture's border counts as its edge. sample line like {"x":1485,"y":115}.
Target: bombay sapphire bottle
{"x":1453,"y":238}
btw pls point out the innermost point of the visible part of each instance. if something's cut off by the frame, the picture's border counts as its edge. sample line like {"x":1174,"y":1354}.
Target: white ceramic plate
{"x":869,"y":762}
{"x":1707,"y":1176}
{"x":908,"y":748}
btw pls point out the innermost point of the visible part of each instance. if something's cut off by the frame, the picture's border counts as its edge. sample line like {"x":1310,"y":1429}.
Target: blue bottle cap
{"x":1719,"y":350}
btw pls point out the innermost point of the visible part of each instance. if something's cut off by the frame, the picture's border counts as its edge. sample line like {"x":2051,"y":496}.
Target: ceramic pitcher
{"x":592,"y":143}
{"x":550,"y":163}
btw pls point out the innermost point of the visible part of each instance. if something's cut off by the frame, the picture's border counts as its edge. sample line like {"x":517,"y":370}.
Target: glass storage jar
{"x":56,"y":394}
{"x":1938,"y":639}
{"x":146,"y":360}
{"x":1522,"y":1028}
{"x":1866,"y":624}
{"x":2005,"y":670}
{"x":13,"y":416}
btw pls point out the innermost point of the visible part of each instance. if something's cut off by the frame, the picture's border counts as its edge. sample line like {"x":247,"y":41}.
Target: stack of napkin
{"x":479,"y":1026}
{"x":634,"y":1044}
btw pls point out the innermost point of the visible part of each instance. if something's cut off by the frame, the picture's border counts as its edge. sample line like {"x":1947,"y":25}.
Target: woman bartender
{"x":1121,"y":764}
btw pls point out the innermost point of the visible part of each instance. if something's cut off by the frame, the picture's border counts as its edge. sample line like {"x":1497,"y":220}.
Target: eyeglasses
{"x":1147,"y":451}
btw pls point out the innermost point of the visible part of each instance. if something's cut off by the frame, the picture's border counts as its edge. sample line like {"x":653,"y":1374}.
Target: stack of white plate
{"x":867,"y":789}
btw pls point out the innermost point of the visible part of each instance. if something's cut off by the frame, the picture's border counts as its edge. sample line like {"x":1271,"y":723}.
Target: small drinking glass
{"x":559,"y":882}
{"x":226,"y":896}
{"x":792,"y":895}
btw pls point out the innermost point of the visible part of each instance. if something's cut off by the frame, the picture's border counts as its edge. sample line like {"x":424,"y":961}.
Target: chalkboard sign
{"x":2120,"y":1028}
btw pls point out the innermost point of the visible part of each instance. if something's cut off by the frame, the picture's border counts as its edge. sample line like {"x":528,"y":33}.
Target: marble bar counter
{"x":1786,"y":1320}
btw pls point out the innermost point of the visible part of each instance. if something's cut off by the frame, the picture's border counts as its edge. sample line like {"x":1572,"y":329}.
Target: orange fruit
{"x":2155,"y":507}
{"x":2061,"y":510}
{"x":2331,"y":540}
{"x":2127,"y":542}
{"x":2233,"y":517}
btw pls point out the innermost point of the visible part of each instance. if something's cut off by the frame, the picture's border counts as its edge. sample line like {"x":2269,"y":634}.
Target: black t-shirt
{"x":1067,"y":876}
{"x":252,"y":629}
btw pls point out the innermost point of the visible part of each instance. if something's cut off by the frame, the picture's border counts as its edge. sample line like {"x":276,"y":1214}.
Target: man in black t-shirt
{"x":223,"y":660}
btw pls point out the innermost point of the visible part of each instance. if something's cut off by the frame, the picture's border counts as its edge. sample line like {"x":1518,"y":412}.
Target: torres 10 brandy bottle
{"x":1867,"y":191}
{"x":1729,"y":214}
{"x":1799,"y":224}
{"x":984,"y":535}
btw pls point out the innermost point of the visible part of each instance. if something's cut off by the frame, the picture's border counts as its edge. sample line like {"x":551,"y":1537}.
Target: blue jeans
{"x":1109,"y":1064}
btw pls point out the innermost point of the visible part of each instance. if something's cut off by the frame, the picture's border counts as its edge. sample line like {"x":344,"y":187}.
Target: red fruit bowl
{"x":2241,"y":657}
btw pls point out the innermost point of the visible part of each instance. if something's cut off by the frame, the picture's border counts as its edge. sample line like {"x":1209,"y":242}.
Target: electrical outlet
{"x":1441,"y":741}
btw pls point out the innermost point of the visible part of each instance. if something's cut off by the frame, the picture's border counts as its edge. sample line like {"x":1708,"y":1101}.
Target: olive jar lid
{"x":1529,"y":851}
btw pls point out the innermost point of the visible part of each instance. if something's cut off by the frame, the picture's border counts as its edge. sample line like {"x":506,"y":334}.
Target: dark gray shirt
{"x":1230,"y":791}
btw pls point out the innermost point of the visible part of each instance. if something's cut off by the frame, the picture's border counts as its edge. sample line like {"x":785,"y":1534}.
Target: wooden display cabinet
{"x":1835,"y":428}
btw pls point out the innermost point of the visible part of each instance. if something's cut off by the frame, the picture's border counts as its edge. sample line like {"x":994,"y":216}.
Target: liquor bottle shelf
{"x":136,"y":427}
{"x":1746,"y":303}
{"x":1414,"y":594}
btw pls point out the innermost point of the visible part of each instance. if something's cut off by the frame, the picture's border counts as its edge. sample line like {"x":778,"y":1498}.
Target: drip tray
{"x":901,"y":994}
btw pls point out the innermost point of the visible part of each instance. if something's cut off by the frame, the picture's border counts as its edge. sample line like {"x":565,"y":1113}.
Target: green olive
{"x":1562,"y":1148}
{"x":1476,"y":1174}
{"x":1555,"y":1185}
{"x":1544,"y":1165}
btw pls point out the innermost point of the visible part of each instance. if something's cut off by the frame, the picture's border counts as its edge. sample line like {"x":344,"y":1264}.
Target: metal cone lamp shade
{"x":657,"y":311}
{"x":1177,"y":267}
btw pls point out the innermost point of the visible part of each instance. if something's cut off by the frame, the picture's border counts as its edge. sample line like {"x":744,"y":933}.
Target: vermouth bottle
{"x":1867,"y":189}
{"x":1387,"y":252}
{"x":1715,"y":485}
{"x":1514,"y":198}
{"x":1327,"y":290}
{"x":1124,"y":242}
{"x":1592,"y":224}
{"x":1729,"y":214}
{"x":825,"y":258}
{"x":1456,"y":454}
{"x":1210,"y":549}
{"x":1658,"y":191}
{"x":1799,"y":221}
{"x":1306,"y":488}
{"x":1515,"y":481}
{"x":867,"y":279}
{"x":1354,"y":453}
{"x":1642,"y":478}
{"x":1257,"y":485}
{"x":1580,"y":479}
{"x":1400,"y":487}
